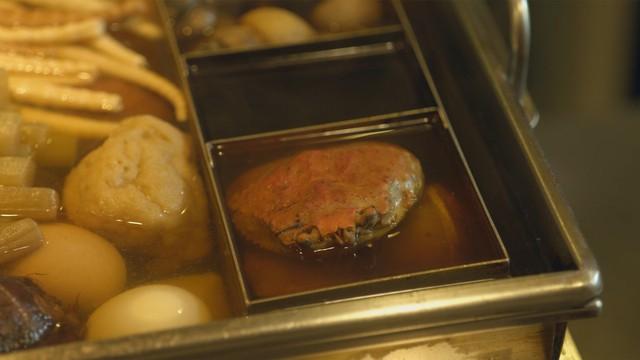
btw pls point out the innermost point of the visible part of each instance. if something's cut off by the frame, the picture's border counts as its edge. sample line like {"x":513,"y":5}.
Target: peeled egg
{"x":276,"y":25}
{"x":208,"y":287}
{"x":76,"y":266}
{"x":144,"y":309}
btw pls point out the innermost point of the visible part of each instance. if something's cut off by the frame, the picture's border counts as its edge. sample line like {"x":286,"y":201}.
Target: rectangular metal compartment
{"x":554,"y":275}
{"x":268,"y":90}
{"x":188,"y":47}
{"x":474,"y":253}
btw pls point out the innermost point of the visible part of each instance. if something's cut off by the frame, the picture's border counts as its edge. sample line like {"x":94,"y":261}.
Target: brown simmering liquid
{"x":446,"y":228}
{"x":136,"y":101}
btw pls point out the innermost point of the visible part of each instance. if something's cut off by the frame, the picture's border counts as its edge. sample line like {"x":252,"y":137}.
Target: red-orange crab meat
{"x":335,"y":197}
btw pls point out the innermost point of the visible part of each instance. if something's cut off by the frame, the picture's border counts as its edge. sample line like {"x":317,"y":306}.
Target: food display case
{"x":490,"y":255}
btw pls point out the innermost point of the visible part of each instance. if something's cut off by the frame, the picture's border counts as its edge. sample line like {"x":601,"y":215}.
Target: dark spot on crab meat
{"x":368,"y":218}
{"x":349,"y":235}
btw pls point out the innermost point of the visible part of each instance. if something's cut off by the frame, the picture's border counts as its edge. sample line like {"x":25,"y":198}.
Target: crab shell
{"x":338,"y":197}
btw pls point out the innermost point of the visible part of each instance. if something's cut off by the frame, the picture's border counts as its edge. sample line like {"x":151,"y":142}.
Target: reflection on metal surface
{"x":520,"y":43}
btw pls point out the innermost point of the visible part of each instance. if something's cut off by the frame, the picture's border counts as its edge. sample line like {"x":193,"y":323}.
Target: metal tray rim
{"x":555,"y":201}
{"x":526,"y":297}
{"x":324,"y":38}
{"x":414,"y":119}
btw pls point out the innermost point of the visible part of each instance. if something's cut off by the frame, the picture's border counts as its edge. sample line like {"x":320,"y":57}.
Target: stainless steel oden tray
{"x":553,"y":276}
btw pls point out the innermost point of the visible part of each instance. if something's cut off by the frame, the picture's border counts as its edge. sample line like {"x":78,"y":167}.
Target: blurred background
{"x":585,"y":78}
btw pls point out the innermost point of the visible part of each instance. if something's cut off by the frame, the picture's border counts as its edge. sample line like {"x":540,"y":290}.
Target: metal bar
{"x":540,"y":297}
{"x":520,"y":43}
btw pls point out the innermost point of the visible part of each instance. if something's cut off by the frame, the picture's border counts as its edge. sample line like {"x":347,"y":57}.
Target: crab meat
{"x":71,"y":32}
{"x":333,"y":198}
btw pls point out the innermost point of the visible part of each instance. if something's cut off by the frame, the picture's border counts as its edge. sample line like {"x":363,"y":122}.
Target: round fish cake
{"x":141,"y":190}
{"x":332,"y":198}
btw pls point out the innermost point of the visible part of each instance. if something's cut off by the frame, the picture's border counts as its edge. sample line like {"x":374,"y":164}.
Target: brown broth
{"x":136,"y":101}
{"x":446,"y":228}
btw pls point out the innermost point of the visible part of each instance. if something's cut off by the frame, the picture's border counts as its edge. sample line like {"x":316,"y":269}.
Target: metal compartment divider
{"x":299,"y":54}
{"x":328,"y":38}
{"x":242,"y":93}
{"x":388,"y":23}
{"x":391,"y":125}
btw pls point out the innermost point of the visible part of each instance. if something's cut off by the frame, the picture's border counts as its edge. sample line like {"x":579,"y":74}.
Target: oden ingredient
{"x":276,"y":25}
{"x":17,"y":170}
{"x":237,"y":36}
{"x":346,"y":15}
{"x":18,"y":238}
{"x":146,"y":308}
{"x":76,"y":266}
{"x":332,"y":198}
{"x":9,"y":133}
{"x":37,"y":203}
{"x":208,"y":287}
{"x":29,"y":317}
{"x":141,"y":190}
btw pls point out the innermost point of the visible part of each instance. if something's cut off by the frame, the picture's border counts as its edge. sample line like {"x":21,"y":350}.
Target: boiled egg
{"x":75,"y":265}
{"x":146,"y":308}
